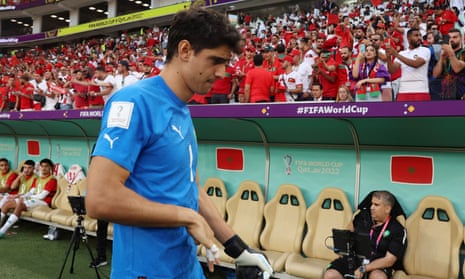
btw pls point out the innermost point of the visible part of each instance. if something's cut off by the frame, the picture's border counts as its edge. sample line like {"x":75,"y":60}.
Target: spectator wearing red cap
{"x":446,"y":20}
{"x":258,"y":83}
{"x":149,"y":69}
{"x":291,"y":80}
{"x":242,"y":67}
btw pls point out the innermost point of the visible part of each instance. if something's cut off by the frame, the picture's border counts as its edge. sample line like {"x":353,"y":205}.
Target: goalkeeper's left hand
{"x":245,"y":256}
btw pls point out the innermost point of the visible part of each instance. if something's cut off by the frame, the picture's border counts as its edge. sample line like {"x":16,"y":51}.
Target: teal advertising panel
{"x":420,"y":173}
{"x":233,"y":163}
{"x":312,"y":169}
{"x":69,"y":151}
{"x":8,"y":149}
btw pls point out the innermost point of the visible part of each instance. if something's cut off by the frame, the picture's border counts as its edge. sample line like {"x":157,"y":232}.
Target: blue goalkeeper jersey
{"x":148,"y":130}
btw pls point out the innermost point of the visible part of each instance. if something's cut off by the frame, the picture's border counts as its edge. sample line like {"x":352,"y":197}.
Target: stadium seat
{"x":63,"y":214}
{"x":63,"y":190}
{"x":245,"y":214}
{"x":284,"y":225}
{"x":434,"y":234}
{"x":217,"y":192}
{"x":331,"y":210}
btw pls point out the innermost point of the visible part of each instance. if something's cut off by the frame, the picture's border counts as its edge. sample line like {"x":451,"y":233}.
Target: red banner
{"x":412,"y":169}
{"x":230,"y":159}
{"x":33,"y":147}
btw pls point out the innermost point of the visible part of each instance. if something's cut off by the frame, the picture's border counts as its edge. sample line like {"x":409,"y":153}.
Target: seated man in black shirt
{"x":388,"y":240}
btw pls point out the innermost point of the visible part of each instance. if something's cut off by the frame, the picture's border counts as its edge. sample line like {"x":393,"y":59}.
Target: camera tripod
{"x":79,"y":234}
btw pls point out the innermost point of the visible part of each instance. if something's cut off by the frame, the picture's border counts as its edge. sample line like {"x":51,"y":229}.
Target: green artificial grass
{"x":24,"y":254}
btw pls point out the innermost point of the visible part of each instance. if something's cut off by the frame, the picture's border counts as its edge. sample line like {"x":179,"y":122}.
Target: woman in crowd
{"x":369,"y":74}
{"x":343,"y":95}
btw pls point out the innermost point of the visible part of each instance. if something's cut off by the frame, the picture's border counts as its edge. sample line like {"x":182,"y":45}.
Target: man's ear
{"x":388,"y":209}
{"x":184,"y":50}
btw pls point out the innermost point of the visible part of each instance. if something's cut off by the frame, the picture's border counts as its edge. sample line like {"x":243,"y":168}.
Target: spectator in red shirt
{"x":25,"y":93}
{"x":3,"y":98}
{"x":242,"y":67}
{"x":80,"y":90}
{"x":258,"y":83}
{"x":10,"y":89}
{"x":223,"y":89}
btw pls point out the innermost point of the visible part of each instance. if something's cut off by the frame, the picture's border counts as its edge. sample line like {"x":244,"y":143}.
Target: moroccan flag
{"x":412,"y":169}
{"x":333,"y":19}
{"x":229,"y":159}
{"x":376,"y":3}
{"x":33,"y":147}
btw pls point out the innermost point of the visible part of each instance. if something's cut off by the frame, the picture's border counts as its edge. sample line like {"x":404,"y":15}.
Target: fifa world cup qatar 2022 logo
{"x":287,"y":163}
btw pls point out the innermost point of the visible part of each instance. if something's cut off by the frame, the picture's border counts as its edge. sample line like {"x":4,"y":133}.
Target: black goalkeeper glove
{"x":245,"y":256}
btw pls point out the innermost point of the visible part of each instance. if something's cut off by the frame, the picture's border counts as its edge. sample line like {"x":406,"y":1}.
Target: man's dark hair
{"x":317,"y":84}
{"x":280,"y":48}
{"x":304,"y":40}
{"x":30,"y":163}
{"x":411,"y":30}
{"x":454,"y":30}
{"x":4,"y":160}
{"x":204,"y":29}
{"x":258,"y":60}
{"x":47,"y":161}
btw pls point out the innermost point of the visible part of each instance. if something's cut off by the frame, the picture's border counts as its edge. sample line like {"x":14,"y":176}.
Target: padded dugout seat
{"x":63,"y":214}
{"x":63,"y":190}
{"x":245,"y":214}
{"x":216,"y":191}
{"x":331,"y":210}
{"x":434,"y":234}
{"x":284,"y":225}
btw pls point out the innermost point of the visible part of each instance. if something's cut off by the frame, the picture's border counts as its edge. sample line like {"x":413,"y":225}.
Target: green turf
{"x":25,"y":255}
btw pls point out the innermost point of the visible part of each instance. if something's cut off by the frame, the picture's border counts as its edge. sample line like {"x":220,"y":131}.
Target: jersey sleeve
{"x":122,"y":136}
{"x":51,"y":186}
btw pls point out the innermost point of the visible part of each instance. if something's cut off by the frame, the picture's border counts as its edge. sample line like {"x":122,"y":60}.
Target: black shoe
{"x":98,"y":263}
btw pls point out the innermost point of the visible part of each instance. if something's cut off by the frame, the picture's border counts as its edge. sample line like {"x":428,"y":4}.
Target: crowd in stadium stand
{"x":381,"y":51}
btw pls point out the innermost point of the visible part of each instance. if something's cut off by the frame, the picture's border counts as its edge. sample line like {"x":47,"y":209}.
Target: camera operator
{"x":388,"y":241}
